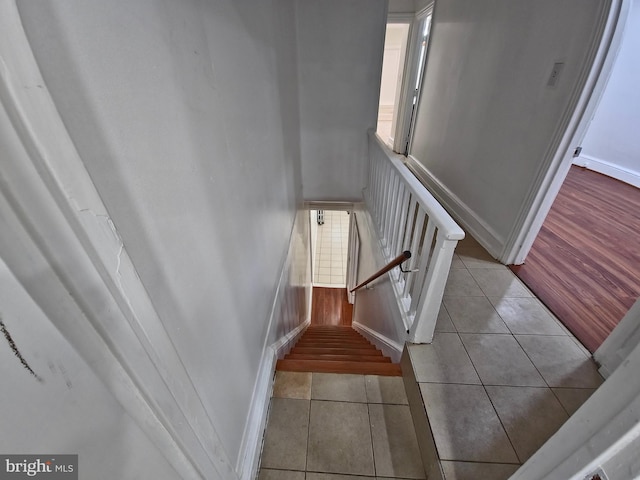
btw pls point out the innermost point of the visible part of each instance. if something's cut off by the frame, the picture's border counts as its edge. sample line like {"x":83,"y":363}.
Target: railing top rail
{"x":447,"y":225}
{"x":392,"y":264}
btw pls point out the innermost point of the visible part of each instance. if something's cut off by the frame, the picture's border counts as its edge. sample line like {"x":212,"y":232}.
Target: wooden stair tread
{"x":356,"y":338}
{"x":348,"y":358}
{"x":352,"y":338}
{"x":333,"y":343}
{"x":329,"y":366}
{"x":329,"y":327}
{"x":336,"y":351}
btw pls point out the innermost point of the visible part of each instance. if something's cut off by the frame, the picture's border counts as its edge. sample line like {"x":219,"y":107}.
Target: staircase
{"x":336,"y":349}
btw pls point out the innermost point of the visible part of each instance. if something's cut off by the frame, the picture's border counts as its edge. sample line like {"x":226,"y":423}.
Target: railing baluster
{"x":403,"y":213}
{"x":378,"y":185}
{"x":416,"y":234}
{"x":408,"y":217}
{"x":393,"y":200}
{"x":425,"y":254}
{"x":395,"y":229}
{"x":386,"y":211}
{"x":388,"y":187}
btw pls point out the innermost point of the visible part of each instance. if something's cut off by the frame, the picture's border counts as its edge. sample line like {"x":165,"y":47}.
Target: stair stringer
{"x":376,"y":313}
{"x":390,"y":348}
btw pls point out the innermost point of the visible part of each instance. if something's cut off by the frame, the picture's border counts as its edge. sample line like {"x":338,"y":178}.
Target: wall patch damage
{"x":15,"y":350}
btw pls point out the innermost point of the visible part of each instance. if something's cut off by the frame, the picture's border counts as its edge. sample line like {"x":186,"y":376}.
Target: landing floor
{"x":502,"y":374}
{"x":325,"y":426}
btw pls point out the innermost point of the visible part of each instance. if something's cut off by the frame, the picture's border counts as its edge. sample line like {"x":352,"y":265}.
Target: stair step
{"x":329,"y":366}
{"x":346,"y":358}
{"x":338,"y":337}
{"x":337,"y":328}
{"x":329,"y":327}
{"x":336,"y":351}
{"x":327,"y":344}
{"x":335,"y":335}
{"x":349,"y":333}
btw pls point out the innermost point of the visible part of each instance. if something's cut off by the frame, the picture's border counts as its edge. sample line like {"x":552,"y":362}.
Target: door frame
{"x":410,"y":68}
{"x":553,"y":172}
{"x":353,"y":258}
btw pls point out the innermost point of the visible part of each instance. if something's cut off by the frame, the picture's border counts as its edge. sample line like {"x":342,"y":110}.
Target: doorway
{"x":329,"y":247}
{"x":395,"y":51}
{"x":583,"y":262}
{"x":404,"y":62}
{"x":584,"y":265}
{"x":421,"y":47}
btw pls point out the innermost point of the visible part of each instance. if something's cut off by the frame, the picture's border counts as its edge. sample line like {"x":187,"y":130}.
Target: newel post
{"x":426,"y":316}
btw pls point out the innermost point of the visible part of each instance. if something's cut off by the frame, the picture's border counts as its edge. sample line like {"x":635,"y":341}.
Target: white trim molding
{"x":624,"y":338}
{"x":407,"y":17}
{"x":389,"y":347}
{"x":329,"y":205}
{"x":609,"y":169}
{"x":465,"y":215}
{"x":606,"y":41}
{"x":249,"y":460}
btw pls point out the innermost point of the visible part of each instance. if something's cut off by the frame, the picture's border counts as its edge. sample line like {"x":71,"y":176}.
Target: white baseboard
{"x":605,"y":372}
{"x":460,"y":211}
{"x":282,"y":346}
{"x":389,"y":347}
{"x":248,"y":468}
{"x":609,"y":169}
{"x":251,"y":445}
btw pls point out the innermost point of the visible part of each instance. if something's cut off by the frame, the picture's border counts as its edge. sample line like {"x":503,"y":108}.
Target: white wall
{"x":486,"y":116}
{"x":612,"y":144}
{"x":62,"y":407}
{"x":186,"y":117}
{"x":340,"y":45}
{"x":376,"y":307}
{"x":402,"y":6}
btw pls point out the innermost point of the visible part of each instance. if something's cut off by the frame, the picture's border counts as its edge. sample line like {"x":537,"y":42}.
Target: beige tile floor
{"x":331,"y":250}
{"x":501,"y":376}
{"x":325,"y":426}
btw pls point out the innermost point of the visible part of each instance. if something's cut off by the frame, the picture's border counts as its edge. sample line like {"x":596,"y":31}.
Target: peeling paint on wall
{"x":15,"y":350}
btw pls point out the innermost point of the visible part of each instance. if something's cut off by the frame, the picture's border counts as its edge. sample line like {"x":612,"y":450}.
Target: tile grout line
{"x":484,"y":388}
{"x":502,"y":423}
{"x":512,"y":334}
{"x":532,"y":363}
{"x":548,"y":387}
{"x":306,"y":456}
{"x":373,"y":450}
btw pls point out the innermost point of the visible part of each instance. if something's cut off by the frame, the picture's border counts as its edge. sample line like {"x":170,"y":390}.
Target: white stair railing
{"x":408,"y":217}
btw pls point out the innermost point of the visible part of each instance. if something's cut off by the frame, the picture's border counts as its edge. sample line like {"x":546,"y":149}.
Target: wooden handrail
{"x":406,"y":255}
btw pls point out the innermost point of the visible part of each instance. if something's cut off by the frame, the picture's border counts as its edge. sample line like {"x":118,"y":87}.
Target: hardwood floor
{"x":330,"y":307}
{"x":585,"y":263}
